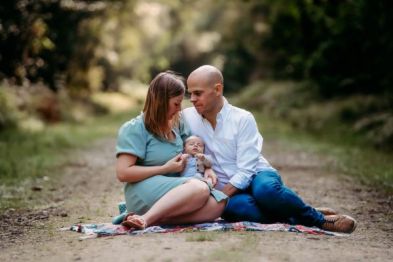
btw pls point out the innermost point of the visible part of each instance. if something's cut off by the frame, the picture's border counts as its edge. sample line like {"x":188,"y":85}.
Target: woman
{"x":149,"y":160}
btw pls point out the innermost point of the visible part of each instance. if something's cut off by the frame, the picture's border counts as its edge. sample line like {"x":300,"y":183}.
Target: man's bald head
{"x":207,"y":74}
{"x":205,"y":86}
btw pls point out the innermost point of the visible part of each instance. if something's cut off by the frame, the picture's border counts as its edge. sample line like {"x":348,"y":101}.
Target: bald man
{"x":255,"y":188}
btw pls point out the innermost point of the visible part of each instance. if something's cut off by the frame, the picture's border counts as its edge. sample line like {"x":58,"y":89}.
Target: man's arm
{"x":248,"y":150}
{"x":230,"y":190}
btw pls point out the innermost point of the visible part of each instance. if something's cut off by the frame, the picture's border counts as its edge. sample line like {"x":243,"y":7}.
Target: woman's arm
{"x":127,"y":171}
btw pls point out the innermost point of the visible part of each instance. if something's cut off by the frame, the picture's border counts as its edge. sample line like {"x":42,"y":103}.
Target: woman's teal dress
{"x":134,"y":139}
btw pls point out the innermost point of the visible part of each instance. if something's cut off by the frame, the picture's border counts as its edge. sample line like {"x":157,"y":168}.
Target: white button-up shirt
{"x":235,"y":145}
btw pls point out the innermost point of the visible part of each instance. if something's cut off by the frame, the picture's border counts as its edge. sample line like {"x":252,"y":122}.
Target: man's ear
{"x":218,"y":88}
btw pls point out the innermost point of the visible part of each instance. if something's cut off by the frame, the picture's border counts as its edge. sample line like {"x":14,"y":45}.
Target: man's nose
{"x":193,"y":98}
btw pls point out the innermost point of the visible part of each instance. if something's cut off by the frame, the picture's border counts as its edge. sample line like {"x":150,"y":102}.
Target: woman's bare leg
{"x":183,"y":199}
{"x":209,"y":212}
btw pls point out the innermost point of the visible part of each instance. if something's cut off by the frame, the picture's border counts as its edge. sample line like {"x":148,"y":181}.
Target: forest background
{"x":324,"y":67}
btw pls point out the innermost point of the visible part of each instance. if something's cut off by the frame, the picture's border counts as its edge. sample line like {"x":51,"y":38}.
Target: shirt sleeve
{"x":132,"y":139}
{"x":249,"y":146}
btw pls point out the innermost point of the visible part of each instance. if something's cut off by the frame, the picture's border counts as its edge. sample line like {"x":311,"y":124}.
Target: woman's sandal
{"x":134,"y":221}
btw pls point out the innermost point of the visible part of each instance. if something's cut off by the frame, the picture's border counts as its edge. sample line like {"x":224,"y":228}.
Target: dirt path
{"x":89,"y":192}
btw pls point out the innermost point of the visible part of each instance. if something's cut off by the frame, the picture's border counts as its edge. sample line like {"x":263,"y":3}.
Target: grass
{"x":202,"y":236}
{"x":245,"y":249}
{"x":351,"y":155}
{"x":289,"y":112}
{"x":29,"y":156}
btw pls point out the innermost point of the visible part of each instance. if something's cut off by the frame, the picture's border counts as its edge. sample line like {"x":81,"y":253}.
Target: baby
{"x":197,"y":162}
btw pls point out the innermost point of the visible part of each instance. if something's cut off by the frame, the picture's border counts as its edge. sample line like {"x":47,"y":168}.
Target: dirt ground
{"x":88,"y":192}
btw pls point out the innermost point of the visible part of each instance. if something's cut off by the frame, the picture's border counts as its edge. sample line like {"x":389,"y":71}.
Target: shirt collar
{"x":224,"y":110}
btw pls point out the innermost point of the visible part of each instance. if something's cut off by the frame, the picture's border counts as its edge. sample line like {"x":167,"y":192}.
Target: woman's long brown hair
{"x":162,"y":88}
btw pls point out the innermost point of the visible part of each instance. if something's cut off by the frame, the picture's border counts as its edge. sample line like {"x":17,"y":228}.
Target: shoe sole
{"x":355,"y":224}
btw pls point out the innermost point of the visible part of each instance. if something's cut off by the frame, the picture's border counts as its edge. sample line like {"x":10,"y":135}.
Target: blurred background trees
{"x":344,"y":46}
{"x":38,"y":38}
{"x":339,"y":49}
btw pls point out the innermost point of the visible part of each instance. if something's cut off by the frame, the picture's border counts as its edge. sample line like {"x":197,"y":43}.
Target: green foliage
{"x":343,"y":47}
{"x":365,"y":119}
{"x":346,"y":47}
{"x":8,"y":118}
{"x":38,"y":37}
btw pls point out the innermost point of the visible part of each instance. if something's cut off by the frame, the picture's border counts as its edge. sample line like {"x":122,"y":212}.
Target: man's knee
{"x":266,"y":186}
{"x":242,"y":207}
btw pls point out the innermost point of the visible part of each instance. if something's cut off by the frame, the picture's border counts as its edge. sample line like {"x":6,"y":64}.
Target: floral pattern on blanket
{"x":108,"y":229}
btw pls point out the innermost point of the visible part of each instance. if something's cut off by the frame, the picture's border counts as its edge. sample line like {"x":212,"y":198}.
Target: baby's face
{"x":194,"y":146}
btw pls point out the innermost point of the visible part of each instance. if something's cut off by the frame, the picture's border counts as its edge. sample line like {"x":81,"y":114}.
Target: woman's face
{"x":174,"y":106}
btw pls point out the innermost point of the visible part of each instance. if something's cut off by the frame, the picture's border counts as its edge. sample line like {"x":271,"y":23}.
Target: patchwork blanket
{"x":108,"y":229}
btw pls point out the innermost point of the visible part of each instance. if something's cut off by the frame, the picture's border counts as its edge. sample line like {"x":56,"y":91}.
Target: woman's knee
{"x":199,"y":187}
{"x":214,"y":208}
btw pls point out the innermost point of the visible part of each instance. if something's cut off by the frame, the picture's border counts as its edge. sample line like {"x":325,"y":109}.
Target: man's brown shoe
{"x":339,"y":223}
{"x":326,"y":211}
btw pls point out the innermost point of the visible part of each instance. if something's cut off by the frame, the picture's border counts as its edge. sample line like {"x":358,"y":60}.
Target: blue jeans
{"x":268,"y":200}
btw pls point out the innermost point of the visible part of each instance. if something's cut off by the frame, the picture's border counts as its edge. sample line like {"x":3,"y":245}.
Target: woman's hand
{"x":128,"y":171}
{"x":176,"y":164}
{"x":209,"y":174}
{"x":185,"y":157}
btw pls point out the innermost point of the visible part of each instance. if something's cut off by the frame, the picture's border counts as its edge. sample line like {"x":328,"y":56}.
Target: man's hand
{"x":209,"y":174}
{"x":229,"y":190}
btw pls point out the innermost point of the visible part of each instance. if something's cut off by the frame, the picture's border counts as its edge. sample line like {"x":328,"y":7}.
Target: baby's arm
{"x":210,"y":176}
{"x":206,"y":159}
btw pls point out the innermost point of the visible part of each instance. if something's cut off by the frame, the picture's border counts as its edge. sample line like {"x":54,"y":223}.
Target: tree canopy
{"x":344,"y":47}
